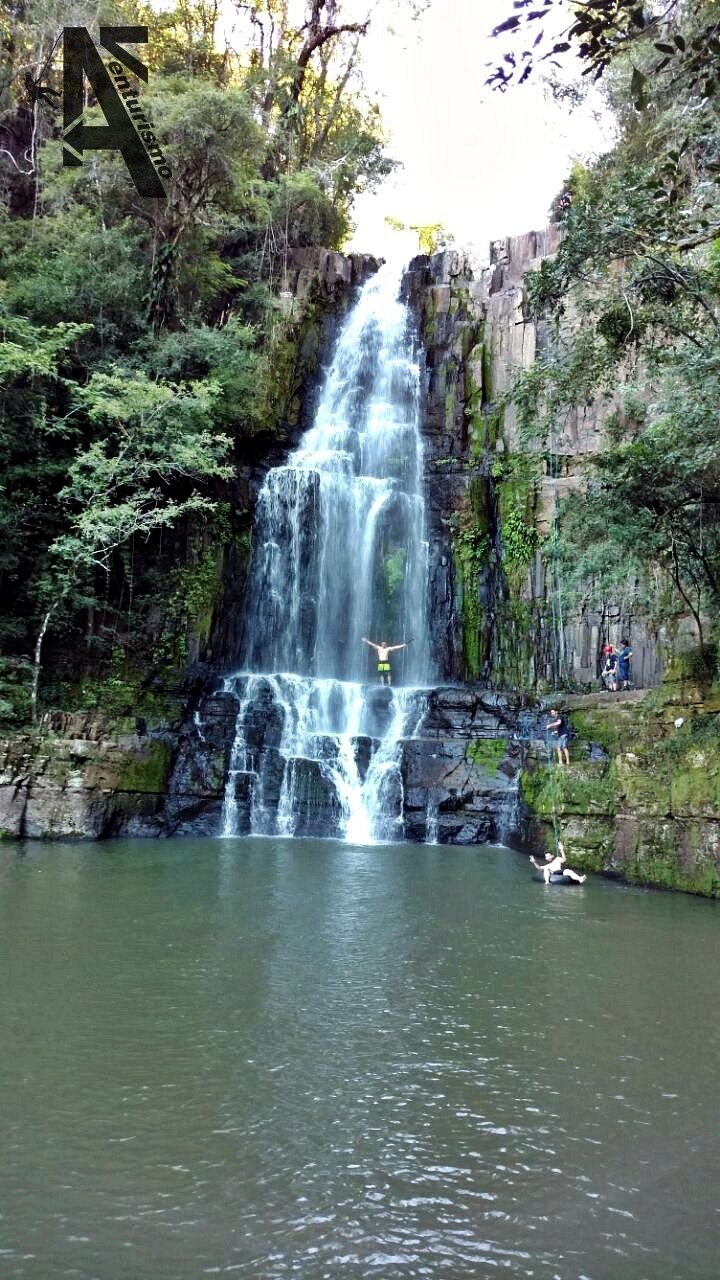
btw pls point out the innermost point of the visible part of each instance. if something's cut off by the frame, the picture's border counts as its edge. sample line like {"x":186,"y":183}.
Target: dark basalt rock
{"x":471,"y":833}
{"x":317,"y":809}
{"x":446,"y":778}
{"x":468,"y":711}
{"x":267,"y":788}
{"x":263,"y":720}
{"x":196,"y":786}
{"x":461,"y":799}
{"x":193,"y":816}
{"x":220,"y":707}
{"x":363,"y":751}
{"x":325,"y":747}
{"x":378,"y":704}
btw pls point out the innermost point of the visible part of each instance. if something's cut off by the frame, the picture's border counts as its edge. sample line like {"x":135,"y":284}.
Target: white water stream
{"x":339,"y":553}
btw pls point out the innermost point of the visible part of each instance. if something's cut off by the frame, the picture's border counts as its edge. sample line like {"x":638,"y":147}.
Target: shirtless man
{"x":556,"y":864}
{"x":383,"y":651}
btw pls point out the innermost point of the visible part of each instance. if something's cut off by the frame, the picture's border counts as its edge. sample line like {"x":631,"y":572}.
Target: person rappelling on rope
{"x":556,"y":866}
{"x":383,"y":651}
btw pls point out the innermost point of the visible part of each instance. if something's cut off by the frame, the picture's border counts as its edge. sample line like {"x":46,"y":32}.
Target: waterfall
{"x":508,"y":818}
{"x":339,"y":553}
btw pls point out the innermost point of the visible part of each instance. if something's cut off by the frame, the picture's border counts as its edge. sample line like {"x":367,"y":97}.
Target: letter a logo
{"x":81,"y":58}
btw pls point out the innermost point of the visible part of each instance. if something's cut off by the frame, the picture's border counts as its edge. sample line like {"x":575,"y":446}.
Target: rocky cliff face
{"x":79,"y":780}
{"x":640,"y":800}
{"x":83,"y":776}
{"x":641,"y":797}
{"x":497,"y":610}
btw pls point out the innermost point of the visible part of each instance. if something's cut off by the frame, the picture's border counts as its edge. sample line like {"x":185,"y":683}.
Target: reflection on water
{"x":278,"y":1059}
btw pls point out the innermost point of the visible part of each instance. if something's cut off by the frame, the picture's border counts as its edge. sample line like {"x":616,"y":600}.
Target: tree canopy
{"x":639,"y":260}
{"x":138,"y":332}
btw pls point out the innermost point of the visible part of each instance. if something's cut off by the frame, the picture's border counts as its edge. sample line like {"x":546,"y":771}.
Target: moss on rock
{"x":486,"y":752}
{"x":580,"y":788}
{"x":147,"y":769}
{"x":650,"y":814}
{"x":471,"y":551}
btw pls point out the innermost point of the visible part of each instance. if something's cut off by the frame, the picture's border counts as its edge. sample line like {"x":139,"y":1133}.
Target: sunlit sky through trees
{"x":482,"y":163}
{"x":485,"y":164}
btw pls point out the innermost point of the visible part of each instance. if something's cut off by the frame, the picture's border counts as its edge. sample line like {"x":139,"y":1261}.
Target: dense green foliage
{"x":639,"y":261}
{"x":140,"y":335}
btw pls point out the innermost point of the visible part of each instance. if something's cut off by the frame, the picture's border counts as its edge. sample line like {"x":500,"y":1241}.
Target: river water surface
{"x":270,"y":1059}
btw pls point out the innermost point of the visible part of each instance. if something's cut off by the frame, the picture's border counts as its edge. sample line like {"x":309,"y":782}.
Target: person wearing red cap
{"x":608,"y":675}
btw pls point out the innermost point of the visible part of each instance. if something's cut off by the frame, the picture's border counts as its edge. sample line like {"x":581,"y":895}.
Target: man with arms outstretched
{"x":383,"y":651}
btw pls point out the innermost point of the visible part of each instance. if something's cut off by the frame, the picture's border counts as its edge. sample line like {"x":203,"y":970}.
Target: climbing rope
{"x":553,"y":537}
{"x":558,"y":621}
{"x":553,"y":790}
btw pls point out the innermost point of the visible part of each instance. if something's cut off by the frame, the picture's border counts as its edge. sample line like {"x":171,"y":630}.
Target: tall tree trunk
{"x":38,"y":654}
{"x":317,"y":36}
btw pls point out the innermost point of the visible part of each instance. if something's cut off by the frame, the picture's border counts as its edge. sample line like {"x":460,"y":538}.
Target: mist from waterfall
{"x":339,"y":553}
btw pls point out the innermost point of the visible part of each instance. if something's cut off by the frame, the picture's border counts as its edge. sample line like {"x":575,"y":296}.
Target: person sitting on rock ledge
{"x":556,"y":864}
{"x":383,"y":652}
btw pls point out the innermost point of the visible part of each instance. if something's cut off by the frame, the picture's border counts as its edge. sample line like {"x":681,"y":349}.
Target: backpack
{"x":565,"y":728}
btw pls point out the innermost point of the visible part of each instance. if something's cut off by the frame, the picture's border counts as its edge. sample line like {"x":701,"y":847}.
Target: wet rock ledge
{"x":78,"y":780}
{"x":639,"y":802}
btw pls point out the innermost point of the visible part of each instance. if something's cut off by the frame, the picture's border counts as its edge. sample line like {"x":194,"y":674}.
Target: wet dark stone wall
{"x":459,"y":770}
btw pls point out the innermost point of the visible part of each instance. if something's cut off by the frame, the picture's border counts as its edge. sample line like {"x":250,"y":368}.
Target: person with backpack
{"x":558,"y":727}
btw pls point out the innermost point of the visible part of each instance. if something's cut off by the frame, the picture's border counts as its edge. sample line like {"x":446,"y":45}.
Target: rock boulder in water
{"x":363,"y":748}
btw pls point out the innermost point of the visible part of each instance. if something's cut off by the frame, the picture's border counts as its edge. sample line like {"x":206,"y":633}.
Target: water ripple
{"x":291,"y":1064}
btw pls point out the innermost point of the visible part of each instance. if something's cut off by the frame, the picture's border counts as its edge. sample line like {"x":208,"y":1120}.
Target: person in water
{"x":560,"y":729}
{"x":556,"y":864}
{"x":383,"y":651}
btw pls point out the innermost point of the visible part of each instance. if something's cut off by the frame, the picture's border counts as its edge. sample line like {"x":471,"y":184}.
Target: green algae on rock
{"x":650,"y":812}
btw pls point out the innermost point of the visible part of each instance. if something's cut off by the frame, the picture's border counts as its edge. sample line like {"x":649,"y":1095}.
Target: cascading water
{"x":339,"y":553}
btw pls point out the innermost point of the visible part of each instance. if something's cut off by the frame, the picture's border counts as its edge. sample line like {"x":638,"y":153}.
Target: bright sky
{"x":485,"y":164}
